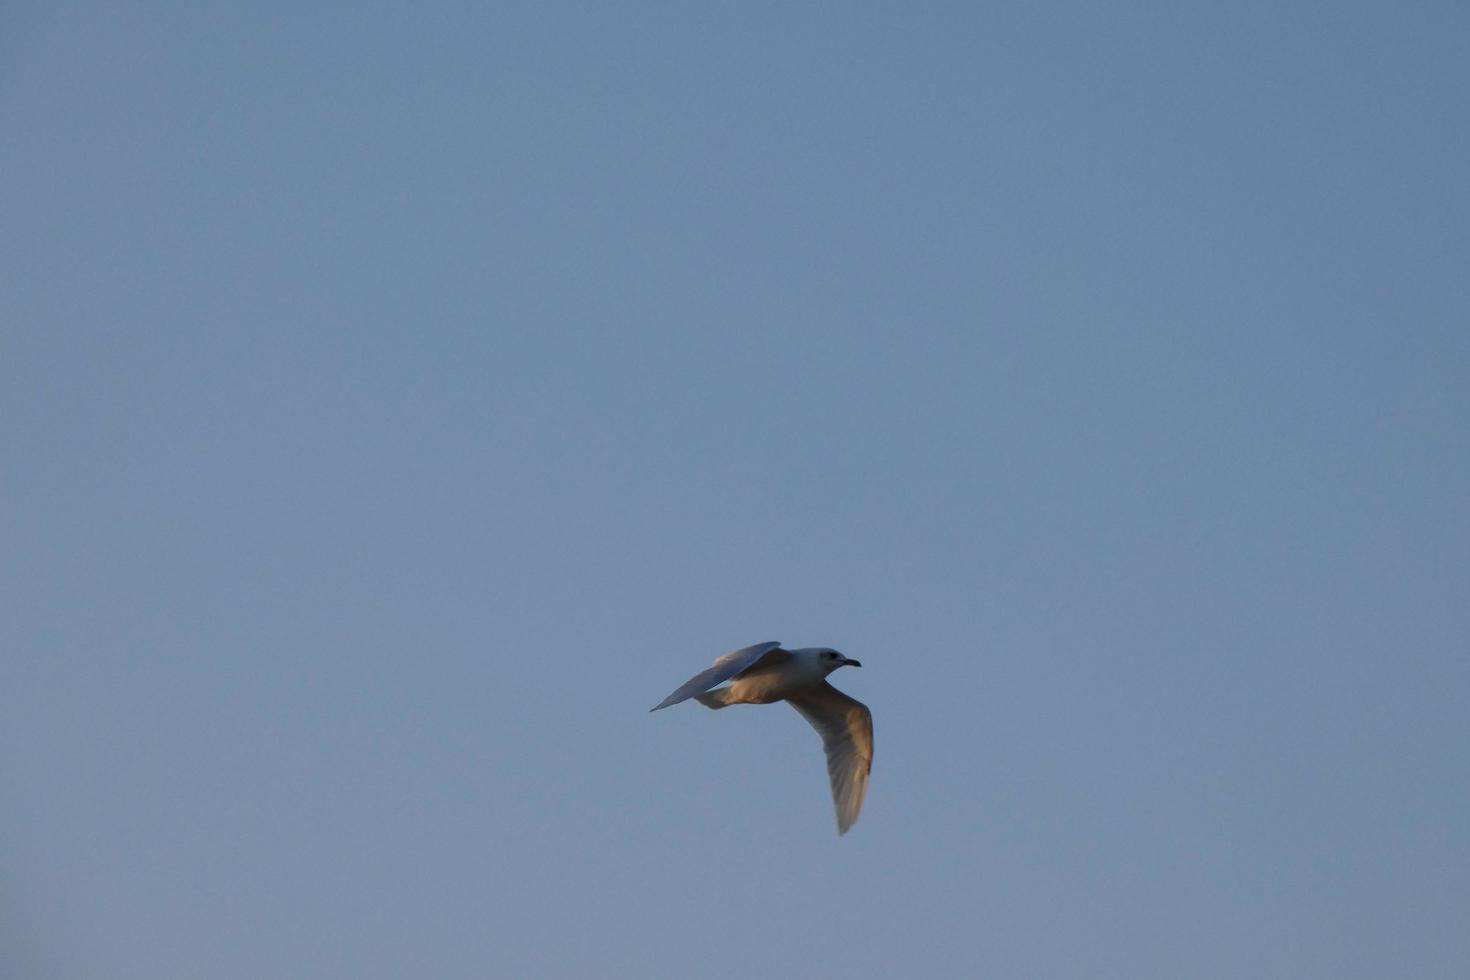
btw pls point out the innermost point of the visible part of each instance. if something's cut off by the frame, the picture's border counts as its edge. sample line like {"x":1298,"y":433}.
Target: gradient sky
{"x":397,"y":400}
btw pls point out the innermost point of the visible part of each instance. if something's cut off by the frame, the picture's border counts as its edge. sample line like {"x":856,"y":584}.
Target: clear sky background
{"x":397,"y":400}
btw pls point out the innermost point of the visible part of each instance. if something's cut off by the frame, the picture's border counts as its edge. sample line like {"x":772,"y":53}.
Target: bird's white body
{"x":767,"y":682}
{"x":764,"y":673}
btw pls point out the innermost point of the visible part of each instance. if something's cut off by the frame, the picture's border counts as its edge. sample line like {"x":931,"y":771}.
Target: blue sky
{"x":397,"y":401}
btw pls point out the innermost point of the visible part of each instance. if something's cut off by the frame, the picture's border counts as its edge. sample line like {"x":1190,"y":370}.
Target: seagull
{"x":764,"y":673}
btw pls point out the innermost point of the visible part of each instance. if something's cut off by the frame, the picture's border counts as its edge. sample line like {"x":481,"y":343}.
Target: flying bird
{"x":765,"y":673}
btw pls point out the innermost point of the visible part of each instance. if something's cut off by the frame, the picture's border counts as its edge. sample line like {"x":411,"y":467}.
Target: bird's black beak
{"x":849,"y":662}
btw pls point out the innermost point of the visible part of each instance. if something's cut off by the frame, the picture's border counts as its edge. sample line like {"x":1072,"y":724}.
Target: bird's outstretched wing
{"x":722,"y":670}
{"x":846,"y":727}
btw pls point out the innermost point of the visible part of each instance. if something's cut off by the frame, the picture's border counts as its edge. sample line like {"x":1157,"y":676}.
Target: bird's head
{"x":825,"y":658}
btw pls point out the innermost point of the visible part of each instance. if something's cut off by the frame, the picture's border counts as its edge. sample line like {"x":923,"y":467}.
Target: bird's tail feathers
{"x":718,"y":698}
